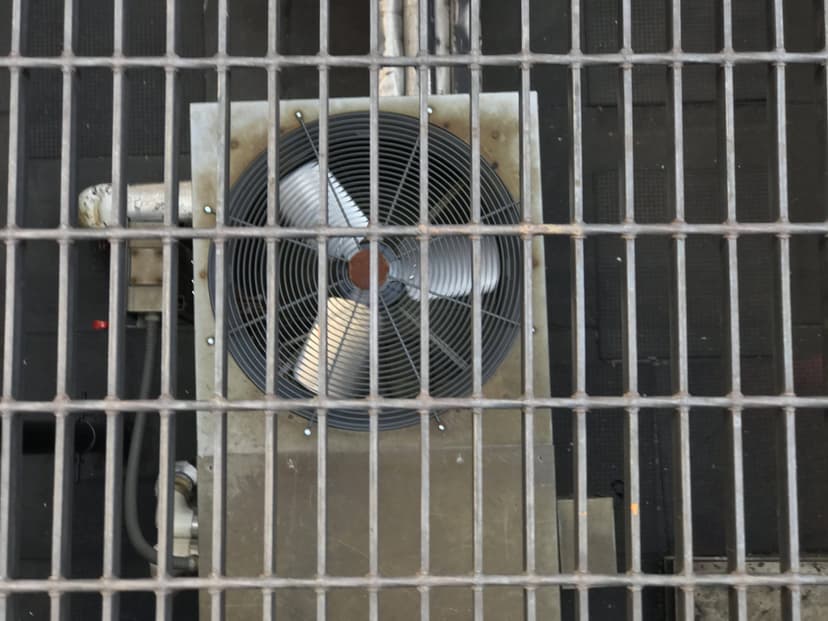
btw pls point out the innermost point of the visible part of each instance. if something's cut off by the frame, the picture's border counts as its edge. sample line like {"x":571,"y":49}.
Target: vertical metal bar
{"x":373,"y":306}
{"x":477,"y":345}
{"x":631,"y":435}
{"x":64,"y":423}
{"x":115,"y":348}
{"x":219,"y":506}
{"x":425,"y":510}
{"x":630,"y":333}
{"x":788,"y":512}
{"x":11,"y":458}
{"x":581,"y":552}
{"x":632,"y":509}
{"x":581,"y":518}
{"x":425,"y":415}
{"x":786,"y":436}
{"x":322,"y":274}
{"x":681,"y":428}
{"x":577,"y":211}
{"x":526,"y":200}
{"x":10,"y":442}
{"x":683,"y":515}
{"x":169,"y":316}
{"x":736,"y":523}
{"x":272,"y":317}
{"x":736,"y":530}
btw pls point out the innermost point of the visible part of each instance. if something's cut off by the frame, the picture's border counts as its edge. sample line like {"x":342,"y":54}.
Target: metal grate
{"x":783,"y":398}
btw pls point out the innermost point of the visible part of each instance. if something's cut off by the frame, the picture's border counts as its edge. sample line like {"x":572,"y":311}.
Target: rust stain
{"x":252,"y":142}
{"x":234,"y":144}
{"x":202,"y":274}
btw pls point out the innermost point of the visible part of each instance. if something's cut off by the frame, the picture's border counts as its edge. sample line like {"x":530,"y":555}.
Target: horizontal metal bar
{"x":590,"y":580}
{"x":420,"y":403}
{"x":468,"y":60}
{"x":627,"y":229}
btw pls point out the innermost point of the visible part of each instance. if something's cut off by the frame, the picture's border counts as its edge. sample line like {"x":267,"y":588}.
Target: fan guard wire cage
{"x":449,"y":186}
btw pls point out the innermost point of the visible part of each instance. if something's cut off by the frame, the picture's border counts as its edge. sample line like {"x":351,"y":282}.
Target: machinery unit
{"x":348,"y":339}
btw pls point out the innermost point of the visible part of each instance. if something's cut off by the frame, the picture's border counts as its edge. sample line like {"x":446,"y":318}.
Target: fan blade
{"x":450,"y":267}
{"x":299,"y":199}
{"x":348,"y":342}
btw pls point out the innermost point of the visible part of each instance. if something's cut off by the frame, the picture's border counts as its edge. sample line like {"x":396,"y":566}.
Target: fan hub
{"x":359,"y":269}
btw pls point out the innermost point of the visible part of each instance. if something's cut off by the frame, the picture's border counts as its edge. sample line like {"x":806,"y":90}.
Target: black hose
{"x":133,"y":527}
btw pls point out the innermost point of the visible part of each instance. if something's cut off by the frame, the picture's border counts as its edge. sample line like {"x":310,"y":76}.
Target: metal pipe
{"x":442,"y":41}
{"x":146,"y":202}
{"x":411,"y":43}
{"x":391,"y":79}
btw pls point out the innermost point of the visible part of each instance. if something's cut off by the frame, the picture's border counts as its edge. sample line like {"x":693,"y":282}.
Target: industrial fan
{"x":399,"y":292}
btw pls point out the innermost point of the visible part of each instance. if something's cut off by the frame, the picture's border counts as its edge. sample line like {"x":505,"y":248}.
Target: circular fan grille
{"x":450,"y":284}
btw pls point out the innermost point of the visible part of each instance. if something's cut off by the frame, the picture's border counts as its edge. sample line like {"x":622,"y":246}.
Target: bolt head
{"x":299,"y":114}
{"x":430,"y":110}
{"x":307,"y":431}
{"x":441,"y":426}
{"x":208,"y":209}
{"x":211,"y":340}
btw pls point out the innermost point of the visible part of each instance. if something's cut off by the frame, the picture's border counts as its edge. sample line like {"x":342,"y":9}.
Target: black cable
{"x":133,"y":527}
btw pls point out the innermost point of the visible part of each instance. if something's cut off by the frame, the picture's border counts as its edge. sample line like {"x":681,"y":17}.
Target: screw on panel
{"x":307,"y":431}
{"x":430,"y":110}
{"x":298,"y":114}
{"x":208,"y":209}
{"x":441,"y":426}
{"x":211,"y":341}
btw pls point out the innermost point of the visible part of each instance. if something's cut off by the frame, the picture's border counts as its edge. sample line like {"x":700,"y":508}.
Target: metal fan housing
{"x":348,"y":313}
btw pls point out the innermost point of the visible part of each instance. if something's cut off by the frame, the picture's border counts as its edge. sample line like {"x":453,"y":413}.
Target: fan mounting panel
{"x":248,"y":138}
{"x":346,"y":452}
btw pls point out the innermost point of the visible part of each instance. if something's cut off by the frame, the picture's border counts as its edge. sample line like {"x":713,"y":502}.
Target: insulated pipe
{"x":411,"y":43}
{"x":391,"y":79}
{"x":145,"y":203}
{"x":442,"y":41}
